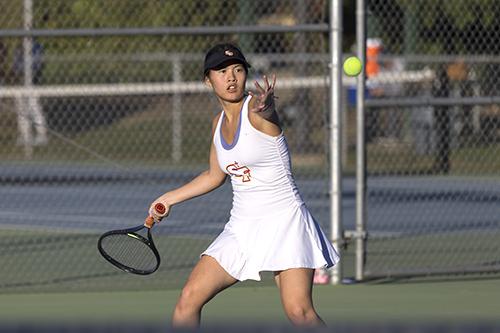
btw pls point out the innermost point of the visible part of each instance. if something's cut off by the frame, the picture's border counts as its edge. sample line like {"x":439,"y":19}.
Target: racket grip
{"x":149,"y":222}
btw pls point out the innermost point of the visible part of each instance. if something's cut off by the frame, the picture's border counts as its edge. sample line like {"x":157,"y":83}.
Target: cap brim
{"x":225,"y":62}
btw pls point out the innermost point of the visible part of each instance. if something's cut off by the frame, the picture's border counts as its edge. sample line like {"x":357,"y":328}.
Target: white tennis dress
{"x":270,"y":228}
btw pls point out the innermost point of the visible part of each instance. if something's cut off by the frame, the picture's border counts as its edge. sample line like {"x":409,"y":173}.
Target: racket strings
{"x":129,"y":251}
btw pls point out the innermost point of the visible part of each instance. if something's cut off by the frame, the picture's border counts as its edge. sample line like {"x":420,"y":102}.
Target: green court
{"x":473,"y":301}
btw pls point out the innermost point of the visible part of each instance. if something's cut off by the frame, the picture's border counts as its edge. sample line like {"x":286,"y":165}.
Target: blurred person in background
{"x":30,"y":119}
{"x":382,"y":123}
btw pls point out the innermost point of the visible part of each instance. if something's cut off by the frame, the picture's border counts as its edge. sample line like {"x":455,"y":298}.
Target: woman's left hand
{"x":264,"y":97}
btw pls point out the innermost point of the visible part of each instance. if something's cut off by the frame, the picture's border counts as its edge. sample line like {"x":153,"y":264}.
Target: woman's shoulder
{"x":215,"y":121}
{"x":216,"y":118}
{"x":269,"y":126}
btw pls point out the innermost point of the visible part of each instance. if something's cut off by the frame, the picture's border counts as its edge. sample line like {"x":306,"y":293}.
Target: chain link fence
{"x":432,"y":142}
{"x":103,"y":109}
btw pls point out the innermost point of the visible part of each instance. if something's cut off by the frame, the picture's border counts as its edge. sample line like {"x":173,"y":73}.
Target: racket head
{"x":130,"y":251}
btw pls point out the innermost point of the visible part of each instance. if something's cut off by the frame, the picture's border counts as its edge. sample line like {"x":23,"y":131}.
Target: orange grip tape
{"x":149,"y":221}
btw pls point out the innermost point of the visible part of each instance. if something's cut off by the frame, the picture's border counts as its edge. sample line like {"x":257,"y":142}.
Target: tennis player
{"x":270,"y":227}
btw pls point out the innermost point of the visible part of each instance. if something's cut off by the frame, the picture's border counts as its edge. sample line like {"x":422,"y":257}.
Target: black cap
{"x":222,"y":53}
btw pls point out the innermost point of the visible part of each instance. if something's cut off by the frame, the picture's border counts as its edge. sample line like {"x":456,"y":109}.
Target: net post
{"x":335,"y":133}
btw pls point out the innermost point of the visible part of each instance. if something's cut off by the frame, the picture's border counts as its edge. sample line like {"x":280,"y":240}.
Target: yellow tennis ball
{"x":352,"y":66}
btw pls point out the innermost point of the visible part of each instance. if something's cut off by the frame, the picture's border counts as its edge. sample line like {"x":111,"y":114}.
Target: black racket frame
{"x":148,"y":241}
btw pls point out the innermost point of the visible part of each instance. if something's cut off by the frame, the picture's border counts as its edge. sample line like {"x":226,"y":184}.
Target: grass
{"x":401,"y":159}
{"x":146,"y":138}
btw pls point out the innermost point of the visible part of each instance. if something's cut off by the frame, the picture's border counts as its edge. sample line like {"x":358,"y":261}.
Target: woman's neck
{"x":232,"y":109}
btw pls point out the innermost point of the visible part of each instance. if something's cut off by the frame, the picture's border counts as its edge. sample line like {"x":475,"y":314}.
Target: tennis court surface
{"x":439,"y":306}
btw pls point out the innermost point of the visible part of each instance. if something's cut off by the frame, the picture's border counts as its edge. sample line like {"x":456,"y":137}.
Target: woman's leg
{"x":206,"y":280}
{"x":295,"y":287}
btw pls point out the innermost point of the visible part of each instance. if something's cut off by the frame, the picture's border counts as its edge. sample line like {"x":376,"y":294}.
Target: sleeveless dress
{"x":270,"y":227}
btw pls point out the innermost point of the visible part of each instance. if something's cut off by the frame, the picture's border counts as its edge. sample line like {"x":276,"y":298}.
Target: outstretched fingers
{"x":260,"y":89}
{"x":274,"y":81}
{"x":264,"y":94}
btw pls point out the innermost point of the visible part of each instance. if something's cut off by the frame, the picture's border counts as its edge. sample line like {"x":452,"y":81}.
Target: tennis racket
{"x":130,"y":251}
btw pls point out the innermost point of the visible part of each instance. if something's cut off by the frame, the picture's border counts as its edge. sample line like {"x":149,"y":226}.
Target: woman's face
{"x":228,"y":83}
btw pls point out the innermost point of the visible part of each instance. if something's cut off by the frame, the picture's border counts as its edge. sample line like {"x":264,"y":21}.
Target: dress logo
{"x":239,"y":171}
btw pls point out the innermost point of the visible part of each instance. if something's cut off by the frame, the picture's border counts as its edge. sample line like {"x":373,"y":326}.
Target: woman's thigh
{"x":295,"y":286}
{"x":206,"y":280}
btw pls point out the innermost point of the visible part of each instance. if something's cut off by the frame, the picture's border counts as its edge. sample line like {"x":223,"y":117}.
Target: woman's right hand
{"x":158,"y":216}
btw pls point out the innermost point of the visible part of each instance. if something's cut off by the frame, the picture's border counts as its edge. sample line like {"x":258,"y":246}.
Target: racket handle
{"x":148,"y":223}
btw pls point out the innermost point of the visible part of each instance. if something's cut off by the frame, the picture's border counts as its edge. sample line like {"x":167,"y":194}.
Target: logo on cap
{"x":229,"y":53}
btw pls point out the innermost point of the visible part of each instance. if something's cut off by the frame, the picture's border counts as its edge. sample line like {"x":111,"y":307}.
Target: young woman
{"x":270,"y":228}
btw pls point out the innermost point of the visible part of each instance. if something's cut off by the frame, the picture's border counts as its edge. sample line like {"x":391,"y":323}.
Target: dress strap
{"x":218,"y":128}
{"x":244,"y":110}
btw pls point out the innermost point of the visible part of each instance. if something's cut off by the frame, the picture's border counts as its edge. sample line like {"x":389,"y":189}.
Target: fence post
{"x":23,"y":100}
{"x":360,"y":143}
{"x":176,"y":112}
{"x":335,"y":132}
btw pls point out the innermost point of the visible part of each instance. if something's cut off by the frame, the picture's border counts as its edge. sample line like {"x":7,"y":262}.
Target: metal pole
{"x":335,"y":133}
{"x":28,"y":44}
{"x":360,"y":143}
{"x":343,"y":128}
{"x":28,"y":75}
{"x":176,"y":114}
{"x":246,"y":17}
{"x":302,"y":127}
{"x":165,"y":31}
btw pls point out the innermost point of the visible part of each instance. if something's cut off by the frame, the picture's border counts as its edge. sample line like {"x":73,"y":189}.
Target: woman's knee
{"x":300,"y":314}
{"x":189,"y":300}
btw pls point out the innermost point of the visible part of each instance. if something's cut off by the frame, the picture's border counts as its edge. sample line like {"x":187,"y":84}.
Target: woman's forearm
{"x":200,"y":185}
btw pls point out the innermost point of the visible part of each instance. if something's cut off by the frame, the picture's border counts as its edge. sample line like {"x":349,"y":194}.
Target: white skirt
{"x":280,"y":241}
